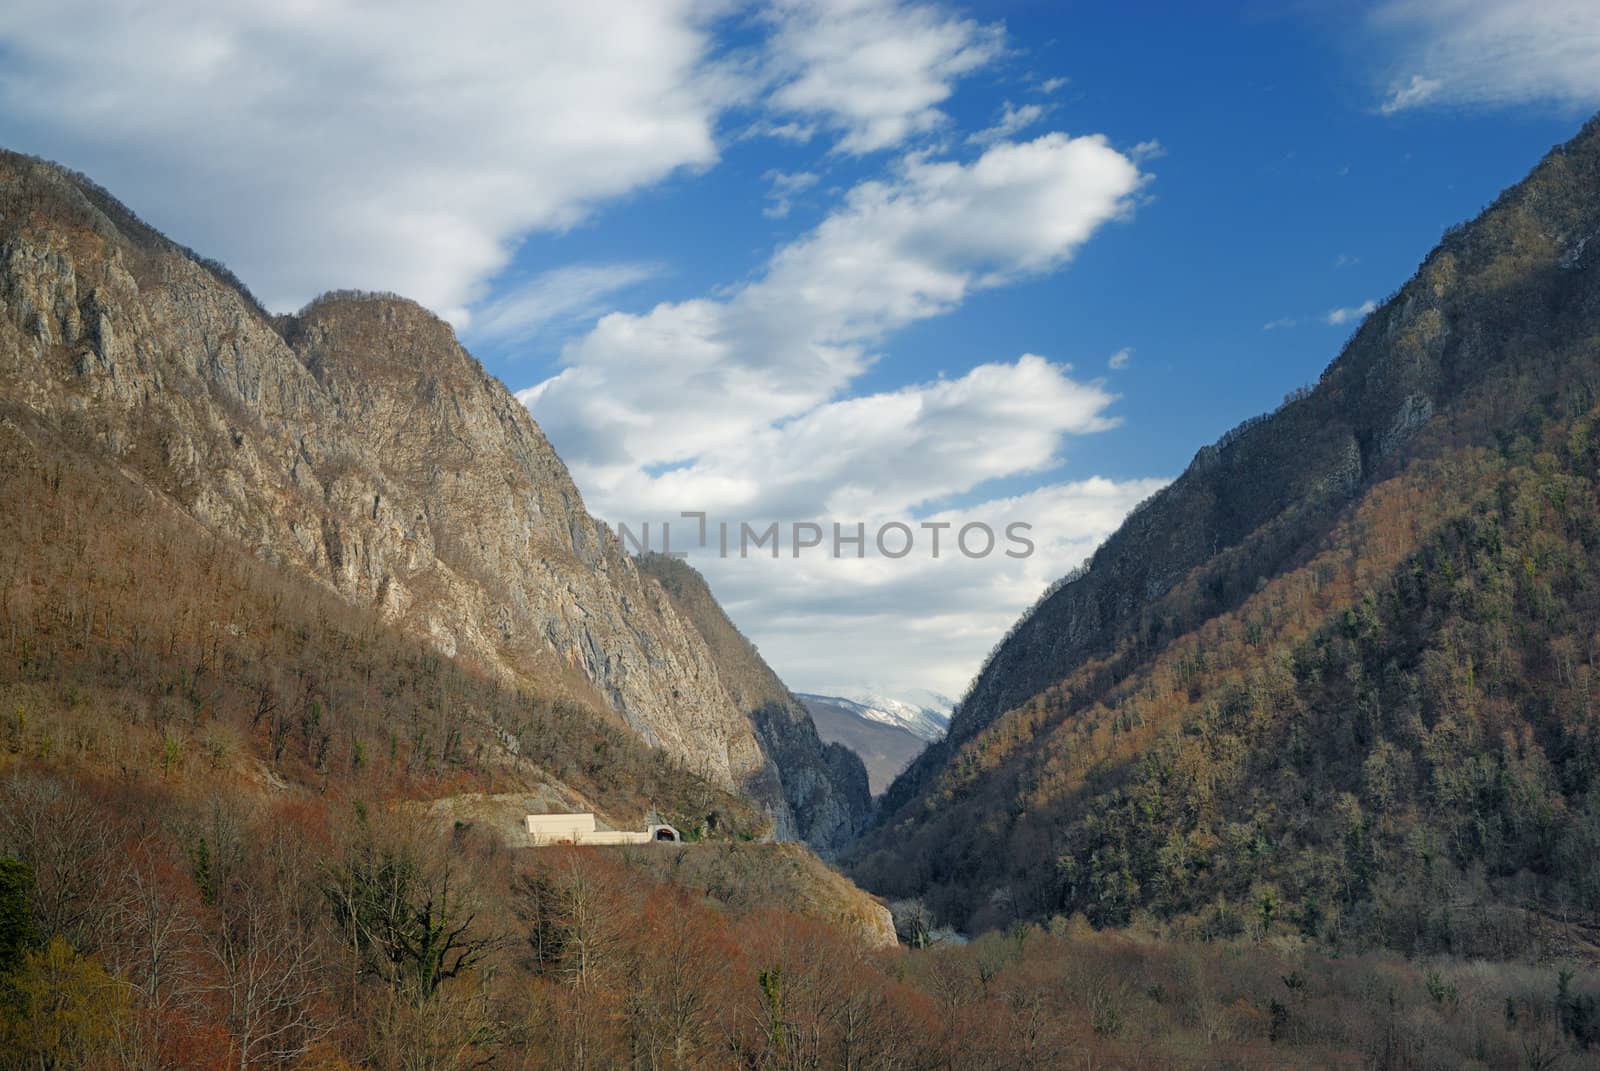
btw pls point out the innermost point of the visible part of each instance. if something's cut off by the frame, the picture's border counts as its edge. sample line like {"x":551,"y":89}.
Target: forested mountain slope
{"x":1337,"y":677}
{"x":139,"y":646}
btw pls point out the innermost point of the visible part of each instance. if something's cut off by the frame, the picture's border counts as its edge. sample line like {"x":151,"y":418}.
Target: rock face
{"x":358,"y":443}
{"x":824,"y":785}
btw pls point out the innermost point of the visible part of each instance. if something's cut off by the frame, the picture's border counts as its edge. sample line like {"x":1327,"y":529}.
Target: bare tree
{"x":415,"y":923}
{"x":271,"y":979}
{"x":156,"y":937}
{"x":67,"y":843}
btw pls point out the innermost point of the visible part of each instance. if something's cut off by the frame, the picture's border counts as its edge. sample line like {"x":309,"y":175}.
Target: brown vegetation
{"x":1364,"y":715}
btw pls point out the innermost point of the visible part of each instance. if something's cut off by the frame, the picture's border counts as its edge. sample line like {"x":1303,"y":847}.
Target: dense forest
{"x":153,"y":929}
{"x":1375,"y":748}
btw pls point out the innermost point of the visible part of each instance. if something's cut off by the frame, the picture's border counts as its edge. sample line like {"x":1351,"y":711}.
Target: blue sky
{"x":1282,"y":194}
{"x":832,"y":260}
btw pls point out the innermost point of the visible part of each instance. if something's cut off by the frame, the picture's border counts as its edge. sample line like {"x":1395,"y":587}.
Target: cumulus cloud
{"x":737,"y":405}
{"x":673,"y":385}
{"x":1121,"y":359}
{"x":873,"y":71}
{"x":1491,"y":52}
{"x":387,"y":146}
{"x":879,"y":455}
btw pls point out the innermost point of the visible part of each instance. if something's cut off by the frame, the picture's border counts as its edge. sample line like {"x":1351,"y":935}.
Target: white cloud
{"x":799,"y":133}
{"x":562,"y":295}
{"x":1491,"y":52}
{"x":1335,"y":317}
{"x":1051,"y":85}
{"x":786,"y":186}
{"x":874,"y":71}
{"x":916,"y":622}
{"x":671,"y":386}
{"x":1148,"y":150}
{"x":878,"y":455}
{"x":399,"y":146}
{"x":1403,"y":95}
{"x":1013,"y":120}
{"x":1121,"y":359}
{"x":734,"y":405}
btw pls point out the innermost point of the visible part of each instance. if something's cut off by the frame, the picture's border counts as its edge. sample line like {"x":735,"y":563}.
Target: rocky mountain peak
{"x":358,"y":443}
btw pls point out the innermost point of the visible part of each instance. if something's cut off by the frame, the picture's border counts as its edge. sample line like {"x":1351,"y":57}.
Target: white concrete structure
{"x":544,"y":829}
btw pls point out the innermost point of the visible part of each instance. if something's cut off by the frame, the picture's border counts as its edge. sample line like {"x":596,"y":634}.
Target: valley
{"x":301,"y":615}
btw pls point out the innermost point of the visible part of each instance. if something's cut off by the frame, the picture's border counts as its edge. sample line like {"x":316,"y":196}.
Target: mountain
{"x":923,"y":714}
{"x":1337,"y":677}
{"x":299,"y":616}
{"x":254,"y":785}
{"x":884,"y":748}
{"x":886,"y":733}
{"x":355,"y":445}
{"x":824,"y":784}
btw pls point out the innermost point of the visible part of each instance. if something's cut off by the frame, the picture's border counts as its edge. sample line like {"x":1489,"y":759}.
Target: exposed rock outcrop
{"x":824,"y":785}
{"x":360,"y":444}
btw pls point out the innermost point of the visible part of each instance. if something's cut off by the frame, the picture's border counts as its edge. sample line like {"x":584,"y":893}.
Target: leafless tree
{"x":271,"y":979}
{"x":156,"y":936}
{"x":67,"y":843}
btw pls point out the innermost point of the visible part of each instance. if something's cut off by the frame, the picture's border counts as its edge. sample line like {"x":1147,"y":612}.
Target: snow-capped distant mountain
{"x":886,"y":731}
{"x":922,"y":713}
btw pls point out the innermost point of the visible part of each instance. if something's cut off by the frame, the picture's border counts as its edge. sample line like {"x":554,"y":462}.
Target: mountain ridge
{"x":1488,"y":347}
{"x":358,"y":443}
{"x":924,"y":715}
{"x":884,"y":748}
{"x":1155,"y":553}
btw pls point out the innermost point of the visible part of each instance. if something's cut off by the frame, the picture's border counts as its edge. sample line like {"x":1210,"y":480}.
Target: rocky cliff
{"x":357,"y":443}
{"x":825,"y":785}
